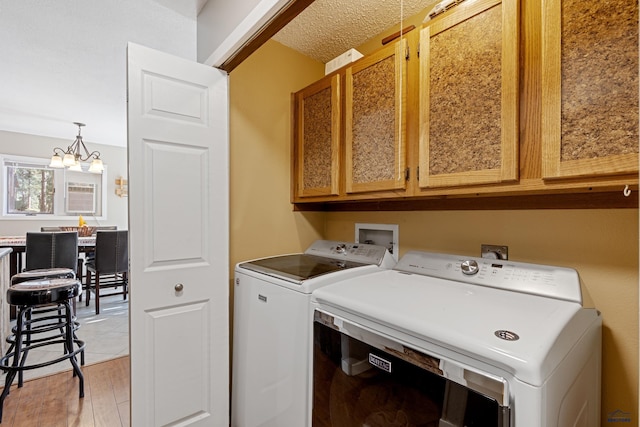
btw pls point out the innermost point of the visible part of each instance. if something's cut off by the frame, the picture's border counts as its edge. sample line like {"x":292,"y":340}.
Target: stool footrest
{"x":4,"y":366}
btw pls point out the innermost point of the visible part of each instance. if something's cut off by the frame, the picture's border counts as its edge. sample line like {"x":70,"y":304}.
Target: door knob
{"x":179,"y":287}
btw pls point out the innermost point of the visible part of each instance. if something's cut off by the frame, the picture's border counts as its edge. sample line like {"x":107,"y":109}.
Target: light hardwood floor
{"x":53,"y":401}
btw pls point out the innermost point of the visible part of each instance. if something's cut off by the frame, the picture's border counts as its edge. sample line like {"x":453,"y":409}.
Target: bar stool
{"x":30,"y":334}
{"x":45,"y":273}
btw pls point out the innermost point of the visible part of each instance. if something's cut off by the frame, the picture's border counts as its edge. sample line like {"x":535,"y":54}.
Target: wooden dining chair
{"x":90,"y":255}
{"x":110,"y":267}
{"x":80,"y":264}
{"x":52,"y":250}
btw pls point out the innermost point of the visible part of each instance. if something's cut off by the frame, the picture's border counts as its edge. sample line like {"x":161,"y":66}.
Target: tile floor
{"x":106,"y":336}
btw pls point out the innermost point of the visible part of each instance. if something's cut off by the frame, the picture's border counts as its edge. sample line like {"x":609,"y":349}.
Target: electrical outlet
{"x":495,"y":251}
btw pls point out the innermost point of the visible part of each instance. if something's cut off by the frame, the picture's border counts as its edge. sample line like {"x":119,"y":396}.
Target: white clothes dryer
{"x":456,"y":341}
{"x":271,"y":374}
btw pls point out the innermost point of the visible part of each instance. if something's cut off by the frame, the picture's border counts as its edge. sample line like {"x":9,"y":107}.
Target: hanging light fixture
{"x":76,"y":153}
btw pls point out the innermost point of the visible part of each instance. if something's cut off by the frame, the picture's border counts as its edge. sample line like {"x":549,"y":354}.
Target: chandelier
{"x":76,"y":153}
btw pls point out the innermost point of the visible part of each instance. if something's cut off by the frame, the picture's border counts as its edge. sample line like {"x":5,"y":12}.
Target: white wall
{"x":65,"y":62}
{"x":114,"y":158}
{"x":216,"y":20}
{"x":224,"y":26}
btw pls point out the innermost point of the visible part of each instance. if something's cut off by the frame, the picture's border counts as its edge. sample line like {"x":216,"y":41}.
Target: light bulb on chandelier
{"x":76,"y":153}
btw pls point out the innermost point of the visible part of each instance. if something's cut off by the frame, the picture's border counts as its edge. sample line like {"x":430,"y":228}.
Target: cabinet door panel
{"x":374,"y":121}
{"x":469,"y":96}
{"x":318,"y":139}
{"x":590,"y":88}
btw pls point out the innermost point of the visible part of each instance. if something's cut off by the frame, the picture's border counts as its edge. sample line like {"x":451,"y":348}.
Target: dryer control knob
{"x":469,"y":267}
{"x":341,"y":248}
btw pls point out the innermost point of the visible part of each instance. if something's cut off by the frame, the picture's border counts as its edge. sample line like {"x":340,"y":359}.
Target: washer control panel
{"x":356,"y":252}
{"x":544,"y":280}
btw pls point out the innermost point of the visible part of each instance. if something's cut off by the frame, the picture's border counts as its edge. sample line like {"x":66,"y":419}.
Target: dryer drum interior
{"x":372,"y":382}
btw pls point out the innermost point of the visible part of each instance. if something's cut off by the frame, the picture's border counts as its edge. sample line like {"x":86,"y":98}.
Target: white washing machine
{"x":455,"y":341}
{"x":273,"y":323}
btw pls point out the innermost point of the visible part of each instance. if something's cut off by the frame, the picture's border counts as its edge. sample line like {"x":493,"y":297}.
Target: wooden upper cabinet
{"x":317,"y":139}
{"x":589,"y":88}
{"x":468,"y":114}
{"x":374,"y":121}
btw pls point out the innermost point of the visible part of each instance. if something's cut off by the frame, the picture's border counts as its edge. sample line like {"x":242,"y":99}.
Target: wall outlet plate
{"x":494,"y":251}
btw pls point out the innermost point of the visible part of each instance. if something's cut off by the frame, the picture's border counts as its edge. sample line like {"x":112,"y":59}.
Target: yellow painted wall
{"x":601,"y":244}
{"x":262,"y":221}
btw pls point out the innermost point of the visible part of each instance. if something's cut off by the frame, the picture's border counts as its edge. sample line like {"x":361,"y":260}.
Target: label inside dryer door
{"x":380,"y":363}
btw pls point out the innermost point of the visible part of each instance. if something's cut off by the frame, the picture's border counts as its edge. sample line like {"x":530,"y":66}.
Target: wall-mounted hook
{"x":626,"y":191}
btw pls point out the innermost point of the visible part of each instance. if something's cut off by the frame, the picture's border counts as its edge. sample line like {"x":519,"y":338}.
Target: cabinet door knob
{"x":179,"y":287}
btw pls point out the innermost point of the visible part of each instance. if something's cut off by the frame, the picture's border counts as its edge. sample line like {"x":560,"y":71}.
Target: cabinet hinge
{"x":407,"y":174}
{"x":418,"y":173}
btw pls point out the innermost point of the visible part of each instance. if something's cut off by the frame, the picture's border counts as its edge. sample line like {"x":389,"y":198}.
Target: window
{"x":32,"y":189}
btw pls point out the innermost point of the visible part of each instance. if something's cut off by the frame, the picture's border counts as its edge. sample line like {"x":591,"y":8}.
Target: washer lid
{"x":322,"y":257}
{"x":466,"y":319}
{"x":298,"y":267}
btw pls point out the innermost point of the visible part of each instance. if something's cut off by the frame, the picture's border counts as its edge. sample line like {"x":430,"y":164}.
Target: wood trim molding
{"x":592,"y":200}
{"x":278,"y":22}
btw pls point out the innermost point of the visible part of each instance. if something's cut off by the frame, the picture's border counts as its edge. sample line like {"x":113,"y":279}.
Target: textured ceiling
{"x":328,"y":28}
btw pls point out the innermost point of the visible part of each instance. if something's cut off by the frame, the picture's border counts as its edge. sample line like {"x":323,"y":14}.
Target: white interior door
{"x":178,"y":225}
